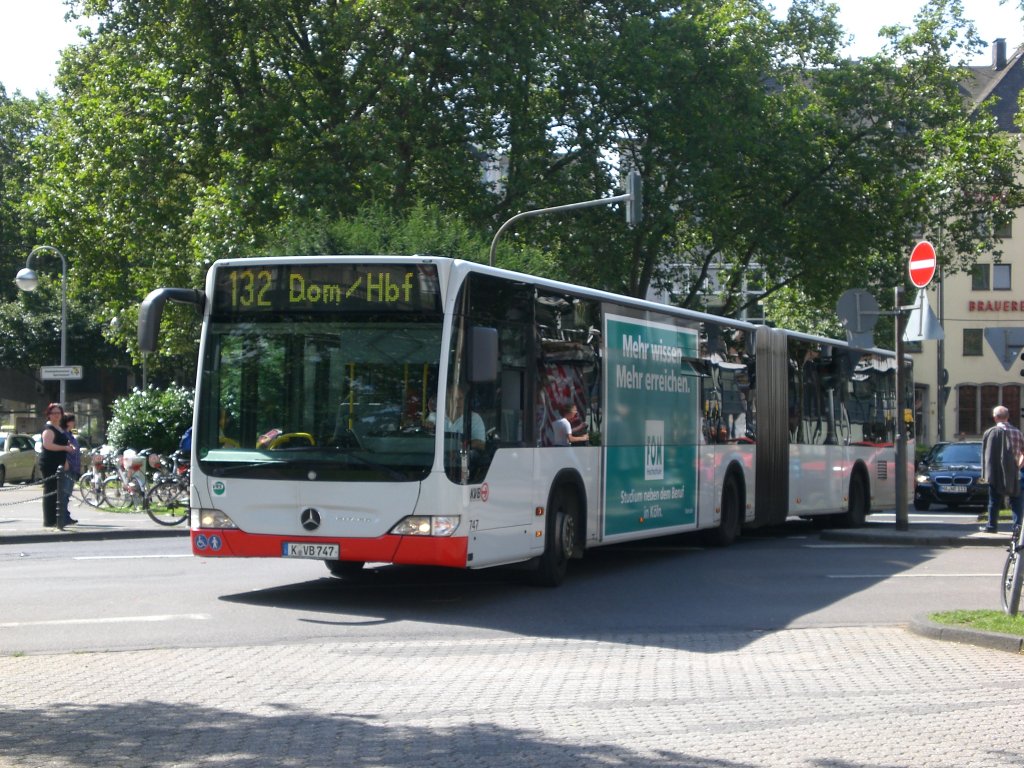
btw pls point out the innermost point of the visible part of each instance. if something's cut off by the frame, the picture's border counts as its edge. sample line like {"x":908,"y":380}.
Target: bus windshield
{"x":317,"y":396}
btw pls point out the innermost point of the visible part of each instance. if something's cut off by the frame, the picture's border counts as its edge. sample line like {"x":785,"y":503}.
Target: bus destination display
{"x":327,"y":288}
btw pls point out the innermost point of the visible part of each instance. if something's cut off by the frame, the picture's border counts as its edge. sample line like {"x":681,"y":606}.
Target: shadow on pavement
{"x":666,"y":590}
{"x":159,"y":733}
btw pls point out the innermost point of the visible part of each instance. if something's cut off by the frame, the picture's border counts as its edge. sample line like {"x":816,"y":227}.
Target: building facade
{"x":977,"y":366}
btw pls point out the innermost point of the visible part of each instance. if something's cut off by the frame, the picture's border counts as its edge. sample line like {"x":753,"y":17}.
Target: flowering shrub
{"x":151,"y":418}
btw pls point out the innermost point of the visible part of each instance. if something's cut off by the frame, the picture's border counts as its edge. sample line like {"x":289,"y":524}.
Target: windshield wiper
{"x":391,"y":472}
{"x":226,"y":468}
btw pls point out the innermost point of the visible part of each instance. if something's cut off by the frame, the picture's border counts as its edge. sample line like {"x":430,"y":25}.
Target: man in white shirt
{"x":562,"y":428}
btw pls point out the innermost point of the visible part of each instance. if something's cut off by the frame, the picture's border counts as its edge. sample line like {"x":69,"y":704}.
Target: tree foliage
{"x":18,"y":124}
{"x":190,"y":131}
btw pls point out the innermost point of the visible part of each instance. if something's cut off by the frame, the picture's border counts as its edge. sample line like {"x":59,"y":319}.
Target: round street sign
{"x":922,"y":264}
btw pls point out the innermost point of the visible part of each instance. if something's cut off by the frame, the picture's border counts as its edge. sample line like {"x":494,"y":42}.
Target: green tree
{"x":192,"y":131}
{"x":18,"y":124}
{"x":762,"y":145}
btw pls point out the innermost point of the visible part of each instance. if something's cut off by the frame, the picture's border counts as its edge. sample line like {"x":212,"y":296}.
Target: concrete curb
{"x":921,"y":538}
{"x":73,"y":535}
{"x":924,"y":626}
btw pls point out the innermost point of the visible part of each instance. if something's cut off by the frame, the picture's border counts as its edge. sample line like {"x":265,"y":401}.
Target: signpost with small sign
{"x":60,"y":372}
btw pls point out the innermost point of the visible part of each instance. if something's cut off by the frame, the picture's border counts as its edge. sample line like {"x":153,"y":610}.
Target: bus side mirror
{"x":483,"y":354}
{"x":152,"y":308}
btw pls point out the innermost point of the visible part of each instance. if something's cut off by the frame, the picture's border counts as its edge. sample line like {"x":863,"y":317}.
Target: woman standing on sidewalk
{"x":53,"y":456}
{"x":73,"y":470}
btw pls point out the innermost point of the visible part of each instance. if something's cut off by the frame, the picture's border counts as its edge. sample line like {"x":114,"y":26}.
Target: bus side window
{"x":510,"y":430}
{"x":504,"y":306}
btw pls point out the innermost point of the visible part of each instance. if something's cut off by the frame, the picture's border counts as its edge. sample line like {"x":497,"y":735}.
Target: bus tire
{"x":728,"y":529}
{"x":562,"y":524}
{"x":858,"y":503}
{"x":344,"y":569}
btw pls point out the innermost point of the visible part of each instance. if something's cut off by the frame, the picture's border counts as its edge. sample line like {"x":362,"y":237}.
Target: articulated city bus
{"x":410,"y":410}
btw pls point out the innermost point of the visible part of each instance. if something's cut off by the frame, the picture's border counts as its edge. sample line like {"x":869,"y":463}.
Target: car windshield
{"x":958,"y":453}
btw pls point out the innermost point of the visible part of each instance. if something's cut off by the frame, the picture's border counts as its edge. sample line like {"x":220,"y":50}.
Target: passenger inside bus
{"x":562,"y":429}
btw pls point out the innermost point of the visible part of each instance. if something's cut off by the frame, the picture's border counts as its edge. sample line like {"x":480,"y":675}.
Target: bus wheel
{"x":728,"y":529}
{"x":857,"y":510}
{"x":561,"y":539}
{"x":344,"y":569}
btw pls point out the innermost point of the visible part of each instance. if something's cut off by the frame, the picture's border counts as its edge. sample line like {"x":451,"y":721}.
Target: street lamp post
{"x":28,"y":281}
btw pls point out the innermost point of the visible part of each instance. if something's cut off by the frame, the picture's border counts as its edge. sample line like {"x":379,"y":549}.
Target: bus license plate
{"x":956,"y":489}
{"x":310,"y":550}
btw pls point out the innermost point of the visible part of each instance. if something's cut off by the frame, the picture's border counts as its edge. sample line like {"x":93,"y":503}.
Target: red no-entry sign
{"x":922,"y":264}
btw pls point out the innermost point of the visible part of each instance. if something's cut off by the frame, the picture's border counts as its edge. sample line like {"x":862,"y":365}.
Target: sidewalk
{"x":21,"y":520}
{"x":958,"y":531}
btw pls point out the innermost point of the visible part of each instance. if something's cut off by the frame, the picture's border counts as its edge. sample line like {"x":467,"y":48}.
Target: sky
{"x":33,"y":32}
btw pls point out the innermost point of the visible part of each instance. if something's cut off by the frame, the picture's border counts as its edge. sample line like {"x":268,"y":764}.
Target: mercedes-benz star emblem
{"x":310,"y":519}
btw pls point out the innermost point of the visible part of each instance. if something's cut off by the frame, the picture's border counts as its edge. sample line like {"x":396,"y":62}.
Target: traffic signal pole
{"x":902,"y":516}
{"x":632,"y":199}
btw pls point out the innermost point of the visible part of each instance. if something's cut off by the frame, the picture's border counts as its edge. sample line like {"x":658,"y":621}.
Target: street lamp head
{"x":27,"y":279}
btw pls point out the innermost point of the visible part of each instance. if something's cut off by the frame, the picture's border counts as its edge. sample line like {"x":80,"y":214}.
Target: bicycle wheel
{"x":1013,"y":573}
{"x":167,"y":502}
{"x":122,"y":496}
{"x":89,"y":489}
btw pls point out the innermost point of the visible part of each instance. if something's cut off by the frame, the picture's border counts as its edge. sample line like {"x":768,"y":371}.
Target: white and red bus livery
{"x":403,"y":410}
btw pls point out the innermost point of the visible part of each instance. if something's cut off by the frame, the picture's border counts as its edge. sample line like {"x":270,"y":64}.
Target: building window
{"x":975,"y":402}
{"x":1005,"y":232}
{"x":980,"y":277}
{"x":973,"y":342}
{"x":1001,"y":277}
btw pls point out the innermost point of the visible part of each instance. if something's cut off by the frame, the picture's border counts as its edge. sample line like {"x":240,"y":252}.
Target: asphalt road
{"x":778,"y":651}
{"x":117,"y":595}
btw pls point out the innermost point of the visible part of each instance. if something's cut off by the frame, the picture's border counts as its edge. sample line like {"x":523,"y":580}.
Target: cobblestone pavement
{"x":844,"y":697}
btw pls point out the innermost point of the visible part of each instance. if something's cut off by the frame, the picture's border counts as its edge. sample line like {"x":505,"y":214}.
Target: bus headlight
{"x":427,"y":525}
{"x":214,"y":518}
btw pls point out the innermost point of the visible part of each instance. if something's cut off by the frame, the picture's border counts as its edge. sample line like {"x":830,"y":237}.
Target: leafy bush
{"x":151,"y":418}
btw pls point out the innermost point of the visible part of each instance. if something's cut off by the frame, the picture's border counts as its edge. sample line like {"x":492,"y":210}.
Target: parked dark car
{"x":950,"y":474}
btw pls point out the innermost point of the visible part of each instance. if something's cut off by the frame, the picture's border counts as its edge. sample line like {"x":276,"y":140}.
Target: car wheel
{"x":922,"y":505}
{"x":3,"y":476}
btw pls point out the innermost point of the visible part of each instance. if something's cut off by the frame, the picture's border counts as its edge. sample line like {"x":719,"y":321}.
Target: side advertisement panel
{"x":652,"y":426}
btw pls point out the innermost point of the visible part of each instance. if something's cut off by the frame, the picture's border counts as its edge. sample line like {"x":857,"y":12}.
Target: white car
{"x":17,"y":458}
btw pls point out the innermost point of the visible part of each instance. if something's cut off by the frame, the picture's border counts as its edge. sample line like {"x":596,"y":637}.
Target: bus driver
{"x":454,"y":419}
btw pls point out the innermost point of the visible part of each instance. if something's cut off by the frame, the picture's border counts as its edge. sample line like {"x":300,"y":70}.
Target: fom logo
{"x":654,"y":450}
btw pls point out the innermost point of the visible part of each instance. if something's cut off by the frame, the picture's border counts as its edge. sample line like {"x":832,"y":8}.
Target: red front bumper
{"x":404,"y":550}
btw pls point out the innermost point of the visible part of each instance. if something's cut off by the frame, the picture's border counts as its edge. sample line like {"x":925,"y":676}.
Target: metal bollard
{"x":61,"y":502}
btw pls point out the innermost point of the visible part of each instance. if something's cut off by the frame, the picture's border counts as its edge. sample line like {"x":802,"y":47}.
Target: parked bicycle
{"x":167,"y":499}
{"x":89,"y":487}
{"x":125,"y":489}
{"x":1013,"y":572}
